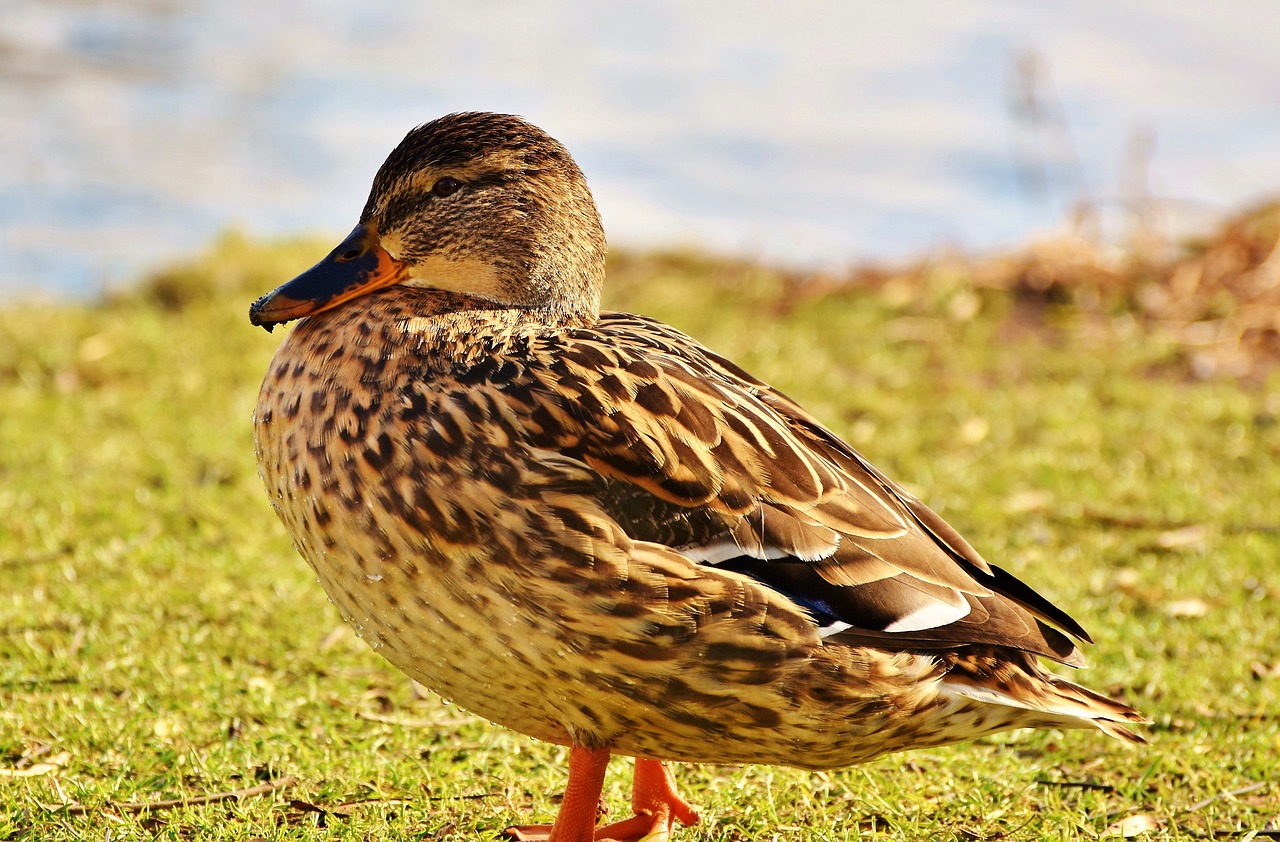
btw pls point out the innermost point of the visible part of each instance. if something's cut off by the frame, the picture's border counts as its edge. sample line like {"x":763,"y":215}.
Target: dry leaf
{"x":1126,"y":579}
{"x":166,"y":727}
{"x":45,"y":767}
{"x":1134,"y":825}
{"x":1261,"y":670}
{"x":1028,"y":501}
{"x":94,"y":348}
{"x":336,"y":634}
{"x":261,"y":684}
{"x":974,"y":430}
{"x":1186,"y":536}
{"x":964,"y":305}
{"x":1182,"y":608}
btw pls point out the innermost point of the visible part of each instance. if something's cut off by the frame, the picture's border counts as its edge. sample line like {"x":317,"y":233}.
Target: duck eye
{"x":446,"y":186}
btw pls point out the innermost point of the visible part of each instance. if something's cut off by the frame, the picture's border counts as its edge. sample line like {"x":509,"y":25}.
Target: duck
{"x":588,"y":528}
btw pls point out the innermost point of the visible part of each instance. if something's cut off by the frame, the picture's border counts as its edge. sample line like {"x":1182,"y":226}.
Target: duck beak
{"x":358,"y":265}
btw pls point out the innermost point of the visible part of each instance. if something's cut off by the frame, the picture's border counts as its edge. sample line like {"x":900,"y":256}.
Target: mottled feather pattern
{"x":590,"y":529}
{"x":807,"y":505}
{"x":545,"y":465}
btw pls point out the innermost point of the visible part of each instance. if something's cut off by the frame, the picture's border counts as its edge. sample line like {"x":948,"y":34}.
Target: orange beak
{"x":359,"y":265}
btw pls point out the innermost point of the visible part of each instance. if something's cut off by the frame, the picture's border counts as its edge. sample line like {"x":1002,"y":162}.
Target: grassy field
{"x":162,"y":647}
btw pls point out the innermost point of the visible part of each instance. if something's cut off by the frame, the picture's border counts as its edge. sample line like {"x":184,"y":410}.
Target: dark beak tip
{"x":255,"y":315}
{"x":315,"y":289}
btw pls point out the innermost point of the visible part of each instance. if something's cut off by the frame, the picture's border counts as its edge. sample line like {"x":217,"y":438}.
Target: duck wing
{"x":693,"y":453}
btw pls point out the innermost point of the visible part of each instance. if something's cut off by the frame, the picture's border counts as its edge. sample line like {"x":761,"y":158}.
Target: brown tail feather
{"x":1016,"y":679}
{"x":1101,"y":711}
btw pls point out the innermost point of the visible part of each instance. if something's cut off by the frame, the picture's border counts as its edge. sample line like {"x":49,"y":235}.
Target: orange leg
{"x":653,"y":797}
{"x":576,"y":820}
{"x":657,"y":807}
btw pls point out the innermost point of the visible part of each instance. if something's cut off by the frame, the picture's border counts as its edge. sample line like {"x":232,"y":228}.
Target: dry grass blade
{"x":1244,"y":790}
{"x":1091,"y":785}
{"x":405,"y":722}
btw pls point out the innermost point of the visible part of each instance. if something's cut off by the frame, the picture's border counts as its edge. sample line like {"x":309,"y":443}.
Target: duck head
{"x":476,"y":203}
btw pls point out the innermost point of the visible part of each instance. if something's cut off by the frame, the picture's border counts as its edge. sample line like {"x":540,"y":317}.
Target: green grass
{"x":160,"y":640}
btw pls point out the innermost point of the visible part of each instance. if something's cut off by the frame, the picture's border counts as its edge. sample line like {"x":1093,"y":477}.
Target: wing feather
{"x":696,"y":454}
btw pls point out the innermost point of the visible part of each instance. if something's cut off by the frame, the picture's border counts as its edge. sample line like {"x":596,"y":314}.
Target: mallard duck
{"x":589,"y":528}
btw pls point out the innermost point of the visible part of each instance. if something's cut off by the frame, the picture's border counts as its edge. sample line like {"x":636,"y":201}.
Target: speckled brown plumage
{"x":590,"y":529}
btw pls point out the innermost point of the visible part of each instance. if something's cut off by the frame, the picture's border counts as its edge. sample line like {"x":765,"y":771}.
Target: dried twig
{"x":33,"y":683}
{"x":1139,"y":521}
{"x":35,"y":629}
{"x":147,"y":806}
{"x":36,"y":558}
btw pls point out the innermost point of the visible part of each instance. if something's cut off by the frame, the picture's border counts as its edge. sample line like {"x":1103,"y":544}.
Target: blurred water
{"x":806,"y":132}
